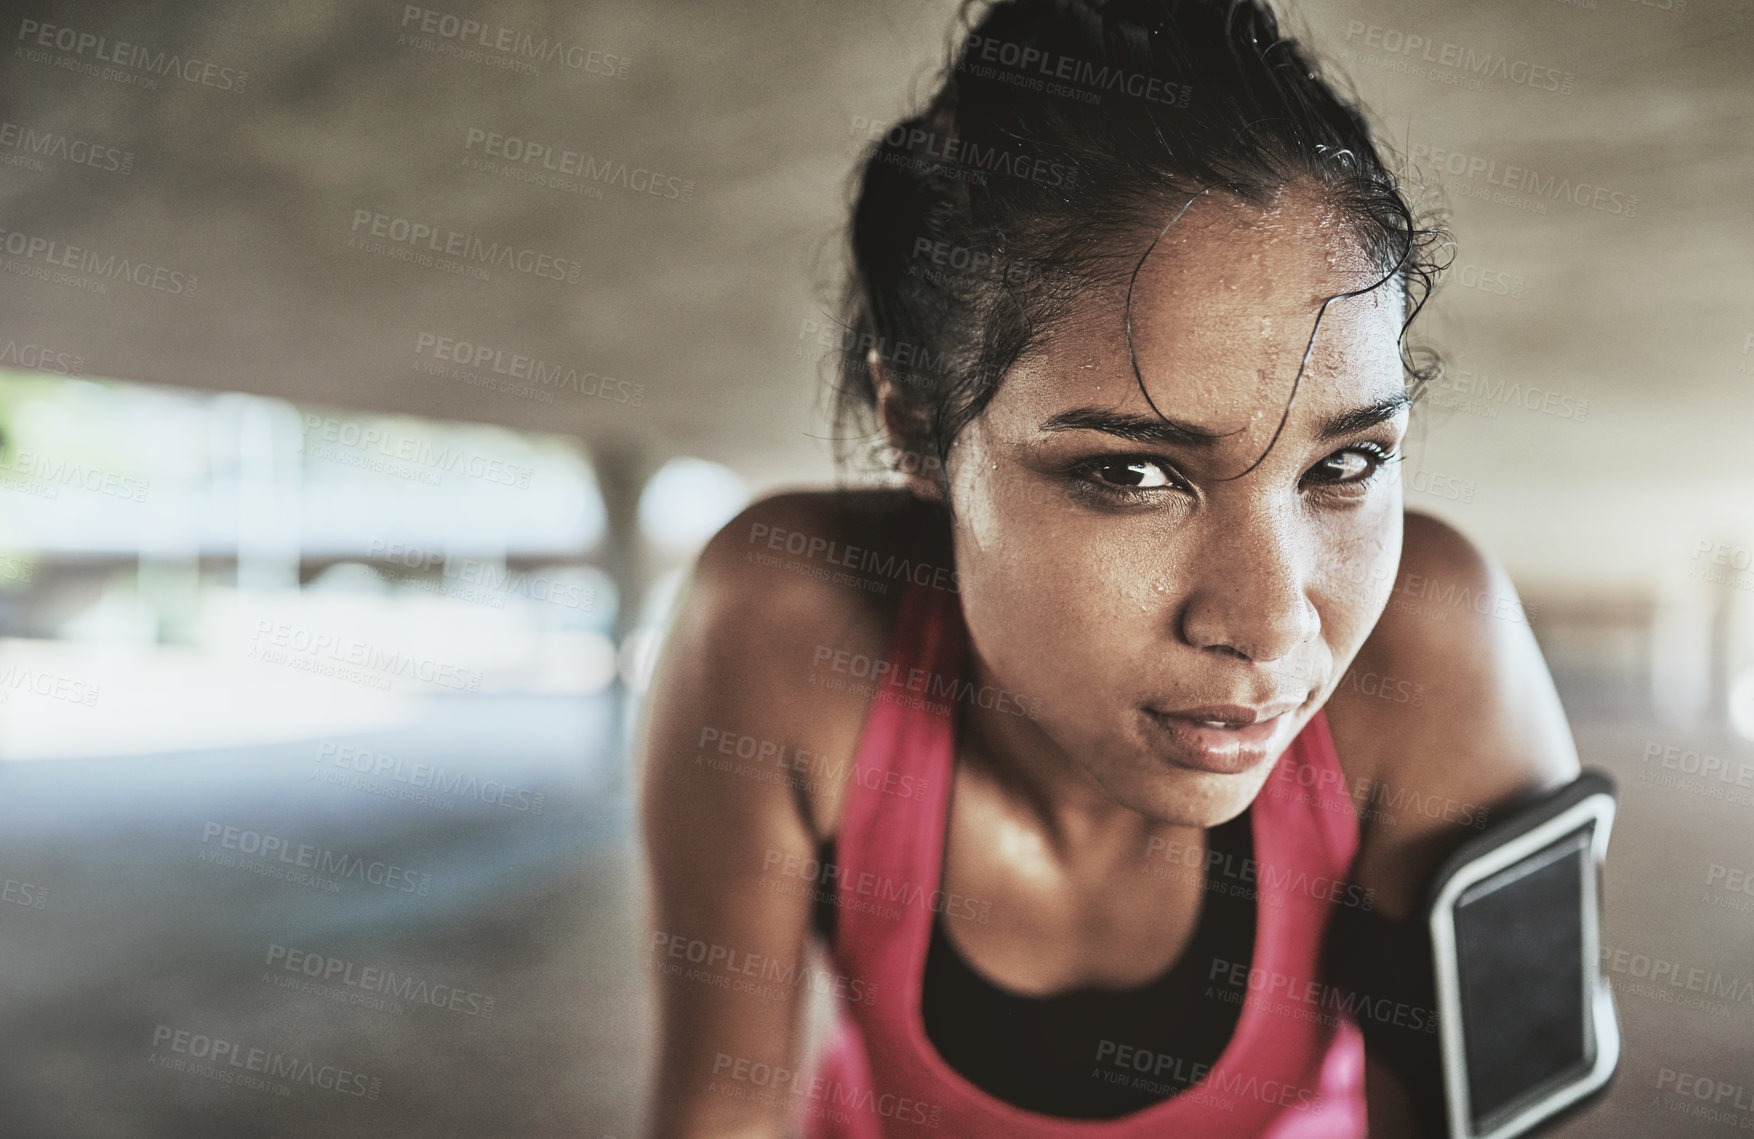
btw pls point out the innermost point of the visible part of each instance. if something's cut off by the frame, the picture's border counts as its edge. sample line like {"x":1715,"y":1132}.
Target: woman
{"x":1110,"y":758}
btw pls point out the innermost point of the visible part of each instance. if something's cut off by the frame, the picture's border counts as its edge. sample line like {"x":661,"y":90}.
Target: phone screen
{"x":1523,"y":978}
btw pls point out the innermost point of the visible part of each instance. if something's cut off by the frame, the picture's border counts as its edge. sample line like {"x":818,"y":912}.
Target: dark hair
{"x":1062,"y":127}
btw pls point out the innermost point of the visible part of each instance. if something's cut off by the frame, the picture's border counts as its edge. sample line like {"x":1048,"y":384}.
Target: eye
{"x":1134,"y":474}
{"x":1353,"y":465}
{"x":1124,"y":480}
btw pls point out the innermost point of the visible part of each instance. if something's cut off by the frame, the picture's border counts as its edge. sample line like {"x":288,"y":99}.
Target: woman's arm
{"x":736,"y":666}
{"x":1486,"y":730}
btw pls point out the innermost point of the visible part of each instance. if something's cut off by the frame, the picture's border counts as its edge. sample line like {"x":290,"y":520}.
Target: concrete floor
{"x":137,"y":938}
{"x":137,"y":934}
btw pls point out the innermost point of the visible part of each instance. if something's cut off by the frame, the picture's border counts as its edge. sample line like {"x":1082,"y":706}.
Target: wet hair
{"x":1061,"y":132}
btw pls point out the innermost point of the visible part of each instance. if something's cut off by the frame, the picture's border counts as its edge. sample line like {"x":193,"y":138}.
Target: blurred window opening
{"x":183,"y":569}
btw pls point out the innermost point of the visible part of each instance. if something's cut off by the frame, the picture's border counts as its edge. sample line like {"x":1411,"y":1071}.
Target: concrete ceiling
{"x":699,"y":300}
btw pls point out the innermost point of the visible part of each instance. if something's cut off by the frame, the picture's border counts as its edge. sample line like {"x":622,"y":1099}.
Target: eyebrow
{"x":1175,"y":432}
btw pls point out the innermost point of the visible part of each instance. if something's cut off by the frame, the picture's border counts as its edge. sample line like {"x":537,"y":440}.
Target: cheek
{"x":1029,"y":557}
{"x":1028,"y":583}
{"x":1039,"y":590}
{"x":1360,"y":578}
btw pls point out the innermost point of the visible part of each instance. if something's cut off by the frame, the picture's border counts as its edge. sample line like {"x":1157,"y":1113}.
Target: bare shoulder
{"x":1447,"y":714}
{"x":786,"y":584}
{"x":815,"y":539}
{"x":743,"y":764}
{"x":797,"y":572}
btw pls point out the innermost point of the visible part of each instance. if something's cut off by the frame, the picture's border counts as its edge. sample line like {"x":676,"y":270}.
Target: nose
{"x":1249,"y":598}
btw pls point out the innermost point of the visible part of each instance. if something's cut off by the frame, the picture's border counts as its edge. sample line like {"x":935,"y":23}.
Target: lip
{"x":1225,"y":739}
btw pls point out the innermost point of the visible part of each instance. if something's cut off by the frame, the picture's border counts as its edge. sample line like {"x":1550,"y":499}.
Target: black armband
{"x":1525,"y":1012}
{"x":1490,"y":1005}
{"x":1385,"y":969}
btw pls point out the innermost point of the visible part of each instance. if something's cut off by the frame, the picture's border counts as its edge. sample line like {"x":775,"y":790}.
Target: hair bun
{"x":1059,"y":124}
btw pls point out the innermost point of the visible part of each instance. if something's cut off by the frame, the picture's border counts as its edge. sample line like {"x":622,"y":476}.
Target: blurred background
{"x":370,"y":372}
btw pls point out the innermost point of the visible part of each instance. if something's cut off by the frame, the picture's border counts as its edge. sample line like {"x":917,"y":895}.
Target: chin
{"x":1189,"y":798}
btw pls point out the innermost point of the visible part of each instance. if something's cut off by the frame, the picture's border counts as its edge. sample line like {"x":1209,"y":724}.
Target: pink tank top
{"x":1294,"y":1068}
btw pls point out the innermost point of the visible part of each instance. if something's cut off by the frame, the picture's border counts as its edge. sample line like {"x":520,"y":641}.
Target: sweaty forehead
{"x":1296,"y":250}
{"x":1221,"y":311}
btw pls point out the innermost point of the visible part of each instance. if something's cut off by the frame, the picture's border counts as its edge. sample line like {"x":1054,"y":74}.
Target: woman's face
{"x":1175,"y":630}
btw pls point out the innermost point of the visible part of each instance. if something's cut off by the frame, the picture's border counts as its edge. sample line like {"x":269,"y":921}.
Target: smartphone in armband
{"x":1527,"y":1026}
